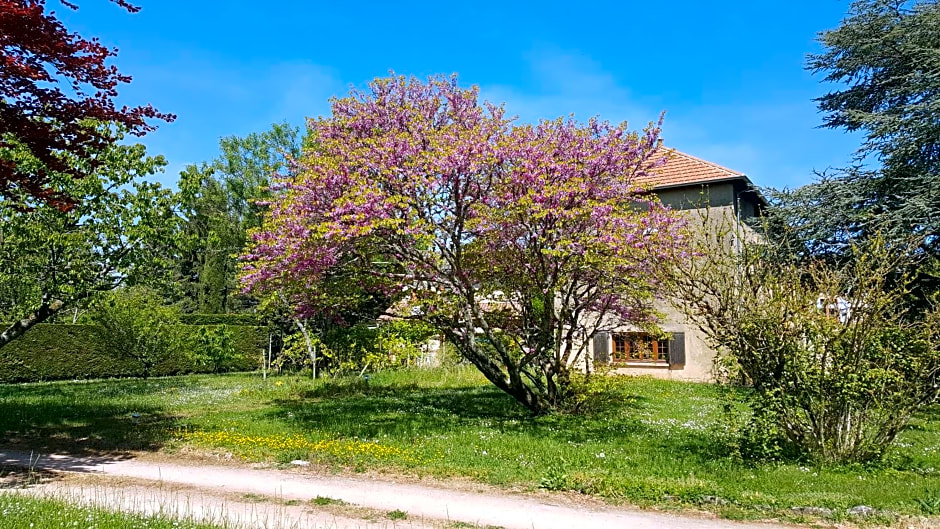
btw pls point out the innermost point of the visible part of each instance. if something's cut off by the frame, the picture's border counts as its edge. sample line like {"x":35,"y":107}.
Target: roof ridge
{"x":697,"y":159}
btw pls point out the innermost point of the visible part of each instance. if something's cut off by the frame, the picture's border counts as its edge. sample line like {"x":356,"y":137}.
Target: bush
{"x":294,"y":353}
{"x":835,"y":364}
{"x":213,"y":347}
{"x":137,"y":325}
{"x":392,"y":343}
{"x":68,"y":352}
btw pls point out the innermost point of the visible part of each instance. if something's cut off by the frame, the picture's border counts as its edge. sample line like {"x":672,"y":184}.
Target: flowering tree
{"x":513,"y":240}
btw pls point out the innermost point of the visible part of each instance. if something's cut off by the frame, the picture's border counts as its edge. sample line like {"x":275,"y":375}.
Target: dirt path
{"x":426,"y":506}
{"x":230,"y":511}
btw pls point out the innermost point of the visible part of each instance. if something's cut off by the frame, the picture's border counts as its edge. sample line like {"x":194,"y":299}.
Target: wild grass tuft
{"x":19,"y":512}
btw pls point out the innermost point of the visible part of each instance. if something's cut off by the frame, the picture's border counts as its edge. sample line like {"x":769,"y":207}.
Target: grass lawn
{"x":19,"y":512}
{"x":658,"y":443}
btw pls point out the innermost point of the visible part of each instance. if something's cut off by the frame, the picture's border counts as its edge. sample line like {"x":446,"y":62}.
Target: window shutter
{"x":677,"y":349}
{"x":602,"y":348}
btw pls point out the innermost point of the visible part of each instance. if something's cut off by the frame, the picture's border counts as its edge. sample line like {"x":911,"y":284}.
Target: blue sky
{"x":728,"y":74}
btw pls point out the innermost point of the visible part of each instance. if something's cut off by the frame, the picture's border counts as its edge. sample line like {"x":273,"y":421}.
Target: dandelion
{"x":341,"y":448}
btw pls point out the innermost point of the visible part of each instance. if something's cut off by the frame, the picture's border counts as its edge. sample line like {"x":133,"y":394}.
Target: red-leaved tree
{"x":55,"y":87}
{"x":515,"y":241}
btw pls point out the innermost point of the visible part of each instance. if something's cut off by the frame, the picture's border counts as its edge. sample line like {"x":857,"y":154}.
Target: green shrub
{"x":213,"y":347}
{"x":352,"y":349}
{"x":392,"y":343}
{"x":834,"y":363}
{"x":68,"y":352}
{"x":836,"y":391}
{"x":136,"y":324}
{"x":294,"y":353}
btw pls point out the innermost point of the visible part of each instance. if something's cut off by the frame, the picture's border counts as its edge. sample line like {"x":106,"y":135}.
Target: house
{"x":689,"y":185}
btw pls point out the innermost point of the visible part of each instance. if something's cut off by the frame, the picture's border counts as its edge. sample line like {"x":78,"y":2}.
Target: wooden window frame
{"x":629,"y":348}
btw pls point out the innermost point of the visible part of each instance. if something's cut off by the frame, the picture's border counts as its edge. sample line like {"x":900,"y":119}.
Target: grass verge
{"x":649,"y":442}
{"x":20,"y":512}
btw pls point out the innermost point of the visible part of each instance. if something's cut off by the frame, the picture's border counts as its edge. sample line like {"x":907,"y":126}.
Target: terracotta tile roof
{"x":684,"y":169}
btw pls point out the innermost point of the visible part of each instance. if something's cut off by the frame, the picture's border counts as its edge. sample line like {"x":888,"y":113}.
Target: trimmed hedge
{"x":219,"y":319}
{"x":67,"y":352}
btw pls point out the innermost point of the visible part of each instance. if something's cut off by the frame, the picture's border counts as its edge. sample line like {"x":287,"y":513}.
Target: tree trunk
{"x":526,"y":395}
{"x":310,"y":349}
{"x":266,"y":360}
{"x":46,"y":310}
{"x":531,"y":398}
{"x":505,"y":377}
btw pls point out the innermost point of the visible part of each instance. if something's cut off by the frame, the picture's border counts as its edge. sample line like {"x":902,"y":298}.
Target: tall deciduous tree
{"x":54,"y":87}
{"x":122,"y":229}
{"x":513,"y":240}
{"x":219,"y":204}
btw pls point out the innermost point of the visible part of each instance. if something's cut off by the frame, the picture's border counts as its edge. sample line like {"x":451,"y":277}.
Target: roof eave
{"x":743,"y":178}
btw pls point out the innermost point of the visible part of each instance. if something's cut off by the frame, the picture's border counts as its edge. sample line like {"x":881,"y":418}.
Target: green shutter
{"x":677,"y":349}
{"x":602,"y":348}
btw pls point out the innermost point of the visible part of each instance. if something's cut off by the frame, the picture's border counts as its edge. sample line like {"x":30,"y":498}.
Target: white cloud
{"x":570,"y":83}
{"x":770,"y":137}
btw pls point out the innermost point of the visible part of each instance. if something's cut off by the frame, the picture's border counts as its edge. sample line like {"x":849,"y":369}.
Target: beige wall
{"x":699,"y":356}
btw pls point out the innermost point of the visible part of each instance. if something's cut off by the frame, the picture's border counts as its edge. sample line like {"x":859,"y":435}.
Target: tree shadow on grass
{"x":357,"y":387}
{"x":398,"y":410}
{"x":99,"y":417}
{"x":359,"y":409}
{"x":461,"y":403}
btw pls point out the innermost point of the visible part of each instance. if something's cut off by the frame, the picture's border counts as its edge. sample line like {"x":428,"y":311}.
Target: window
{"x":639,"y":347}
